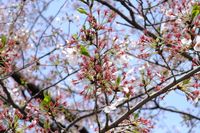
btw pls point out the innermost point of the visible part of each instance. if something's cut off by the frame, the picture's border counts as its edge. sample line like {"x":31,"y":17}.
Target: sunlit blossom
{"x":72,"y":56}
{"x":142,"y":68}
{"x":113,"y":106}
{"x":126,"y":90}
{"x":61,"y":119}
{"x":163,"y":27}
{"x":70,"y":53}
{"x":110,"y":108}
{"x":185,"y":41}
{"x":197,"y":44}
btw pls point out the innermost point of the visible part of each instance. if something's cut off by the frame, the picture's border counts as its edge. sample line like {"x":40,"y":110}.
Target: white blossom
{"x":57,"y":19}
{"x":163,"y":27}
{"x":140,"y":17}
{"x":59,"y":46}
{"x":185,"y":41}
{"x":196,"y":99}
{"x":197,"y":43}
{"x":34,"y":122}
{"x":109,"y":63}
{"x":126,"y":89}
{"x":70,"y":53}
{"x":119,"y":101}
{"x":169,"y":13}
{"x":61,"y":119}
{"x":142,"y":68}
{"x":108,"y":109}
{"x":113,"y":106}
{"x":72,"y":56}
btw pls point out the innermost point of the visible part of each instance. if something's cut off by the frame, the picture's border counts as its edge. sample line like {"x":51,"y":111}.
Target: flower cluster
{"x":8,"y":54}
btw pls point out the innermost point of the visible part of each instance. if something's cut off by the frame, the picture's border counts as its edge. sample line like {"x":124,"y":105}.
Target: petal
{"x":163,"y":27}
{"x":186,"y":41}
{"x":197,"y":39}
{"x":119,"y":101}
{"x":126,"y":89}
{"x":112,"y":107}
{"x":108,"y":109}
{"x":197,"y":47}
{"x":141,"y":68}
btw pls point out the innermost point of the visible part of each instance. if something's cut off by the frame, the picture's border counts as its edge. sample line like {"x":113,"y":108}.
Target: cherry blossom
{"x":114,"y":105}
{"x":98,"y":66}
{"x":185,"y":41}
{"x":197,"y":43}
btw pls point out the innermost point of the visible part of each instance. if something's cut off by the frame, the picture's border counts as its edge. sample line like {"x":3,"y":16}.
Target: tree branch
{"x":139,"y":105}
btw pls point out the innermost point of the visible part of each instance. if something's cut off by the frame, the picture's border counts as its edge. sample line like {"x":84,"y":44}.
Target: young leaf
{"x":56,"y":63}
{"x":118,"y":80}
{"x":23,"y":82}
{"x":16,"y":118}
{"x":45,"y":104}
{"x":75,"y":36}
{"x":165,"y":73}
{"x":46,"y":99}
{"x":186,"y":81}
{"x":46,"y":125}
{"x":3,"y":41}
{"x":135,"y":131}
{"x":84,"y":51}
{"x":82,"y":11}
{"x":84,"y":27}
{"x":136,"y":115}
{"x":195,"y":11}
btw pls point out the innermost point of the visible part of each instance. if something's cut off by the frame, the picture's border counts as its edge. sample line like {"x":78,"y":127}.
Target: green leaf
{"x":135,"y":131}
{"x":195,"y":11}
{"x":153,"y":45}
{"x":20,"y":130}
{"x":186,"y":81}
{"x":84,"y":27}
{"x":16,"y":118}
{"x":46,"y":125}
{"x":3,"y":41}
{"x":84,"y":51}
{"x":166,"y":72}
{"x":23,"y":82}
{"x":136,"y":115}
{"x":75,"y":36}
{"x":46,"y":99}
{"x":82,"y":11}
{"x":118,"y":80}
{"x":56,"y":63}
{"x":45,"y":104}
